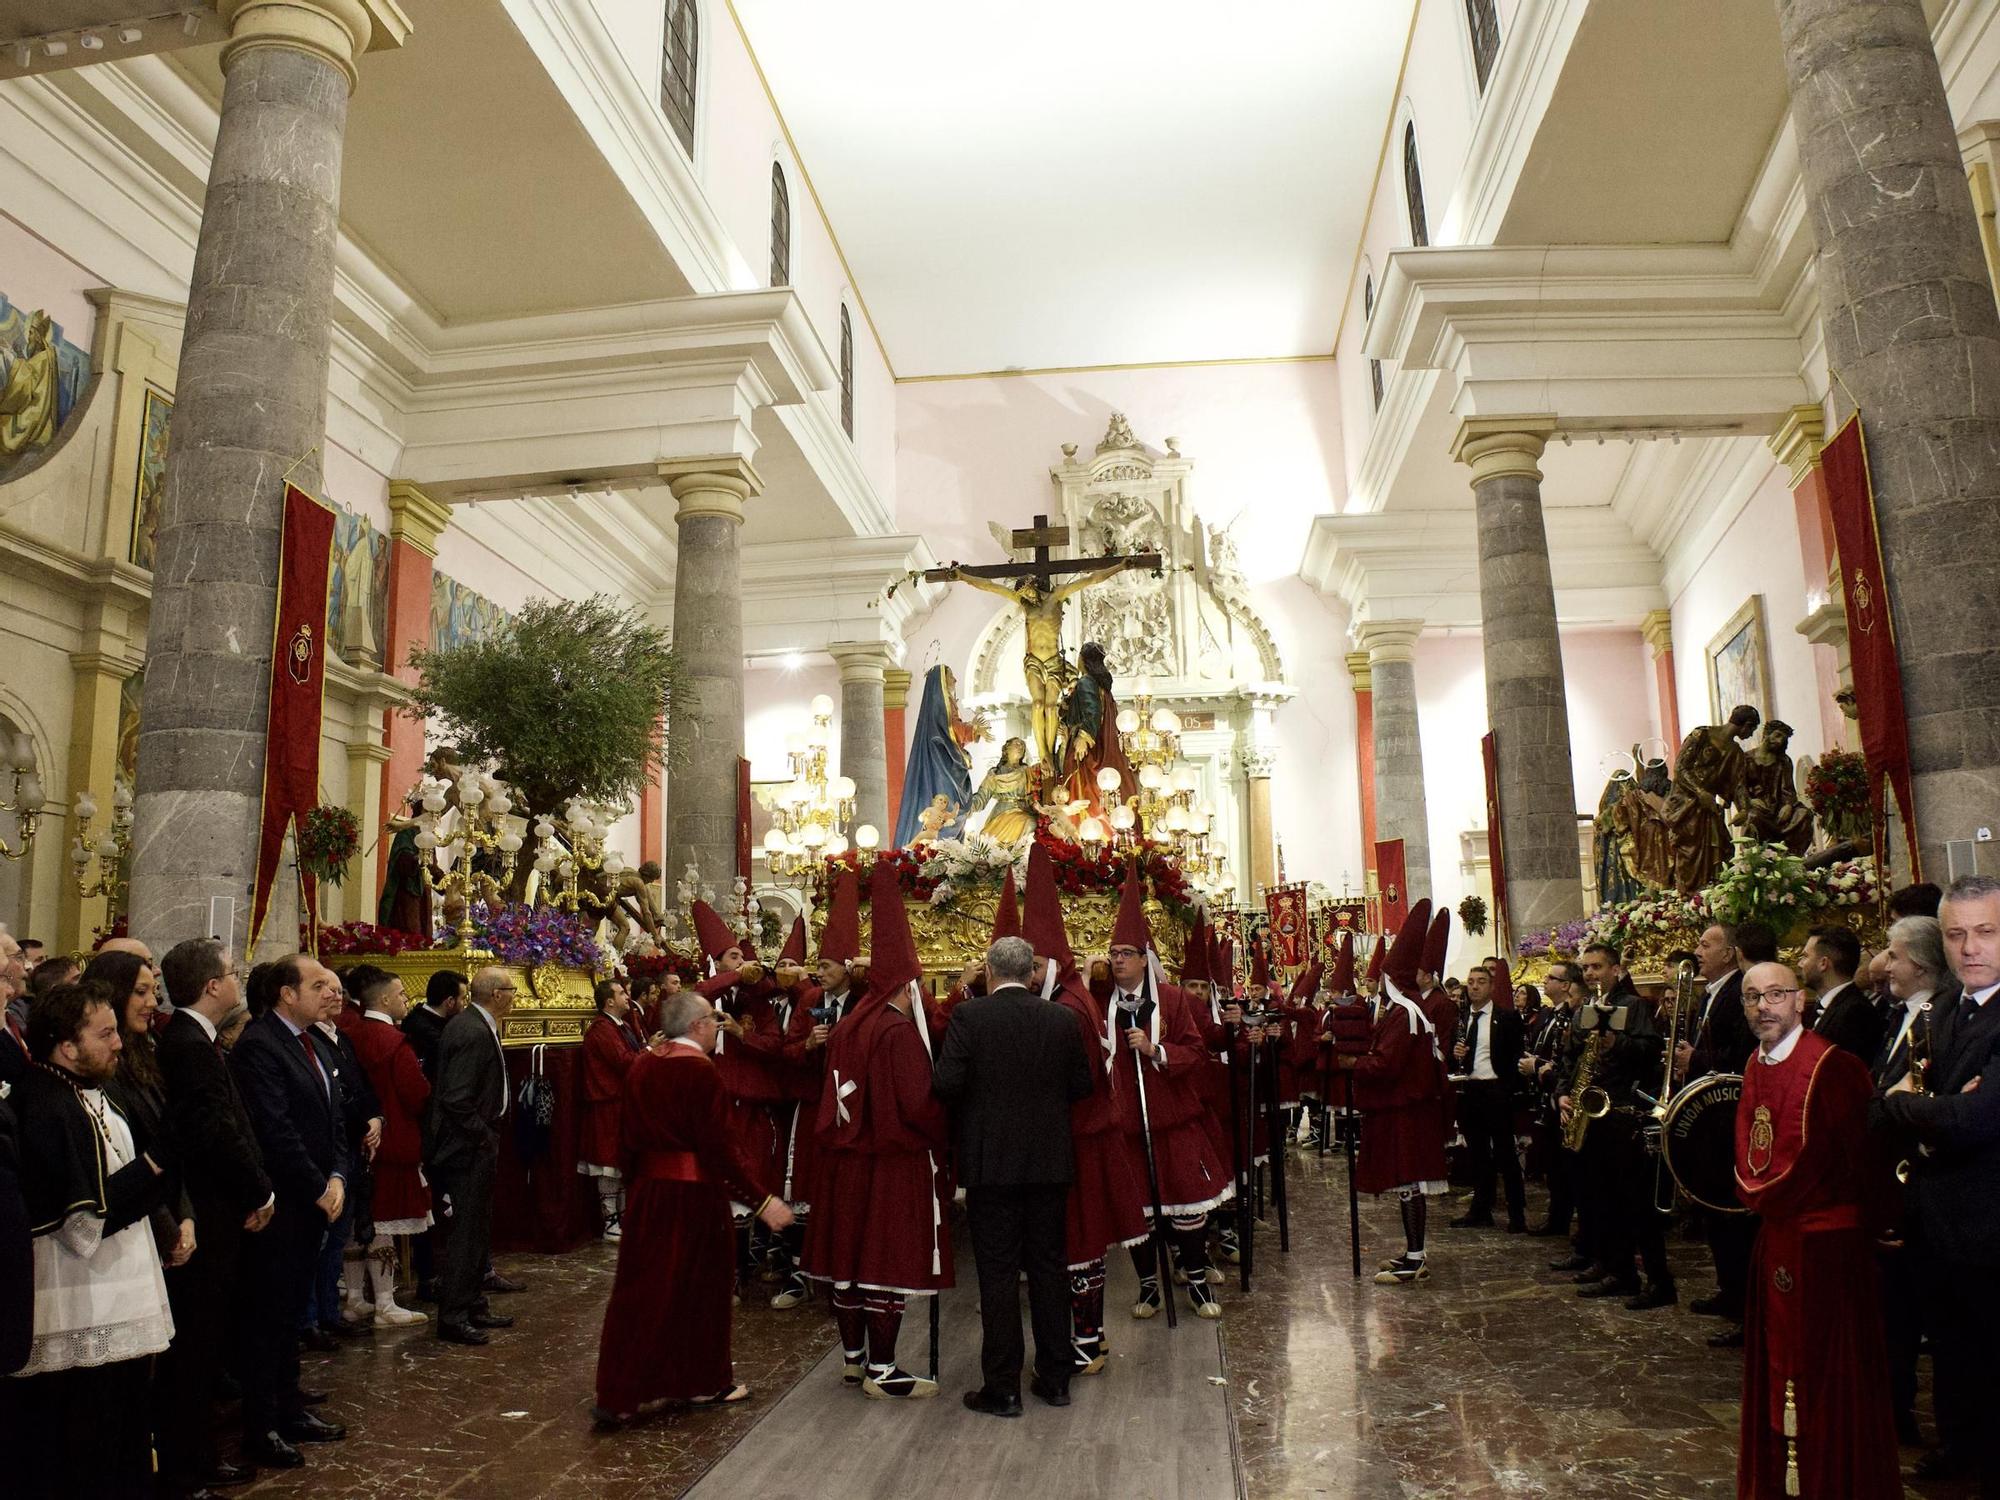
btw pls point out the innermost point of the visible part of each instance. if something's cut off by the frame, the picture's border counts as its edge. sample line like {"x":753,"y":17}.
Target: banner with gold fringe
{"x":1871,"y":638}
{"x":1392,"y":885}
{"x":1496,"y":856}
{"x":1290,"y":929}
{"x":298,"y":686}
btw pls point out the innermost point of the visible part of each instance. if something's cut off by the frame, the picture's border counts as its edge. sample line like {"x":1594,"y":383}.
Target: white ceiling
{"x":1092,"y":181}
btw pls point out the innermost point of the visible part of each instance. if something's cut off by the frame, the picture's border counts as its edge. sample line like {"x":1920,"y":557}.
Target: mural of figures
{"x":357,"y":593}
{"x":152,"y":473}
{"x":459,"y":616}
{"x":42,"y":376}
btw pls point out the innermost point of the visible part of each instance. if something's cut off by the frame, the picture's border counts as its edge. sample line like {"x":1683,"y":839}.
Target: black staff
{"x":1162,"y":1255}
{"x":1239,"y":1155}
{"x":1274,"y":1127}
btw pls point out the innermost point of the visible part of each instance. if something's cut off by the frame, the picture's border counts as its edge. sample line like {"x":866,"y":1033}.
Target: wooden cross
{"x":1044,"y":569}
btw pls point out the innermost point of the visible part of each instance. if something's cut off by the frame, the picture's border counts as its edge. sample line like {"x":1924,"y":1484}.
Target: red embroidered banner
{"x":1392,"y":881}
{"x":1871,"y":636}
{"x":1489,"y":754}
{"x":1290,"y":935}
{"x":298,"y":684}
{"x":743,"y":865}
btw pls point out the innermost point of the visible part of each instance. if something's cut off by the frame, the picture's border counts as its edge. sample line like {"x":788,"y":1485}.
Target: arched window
{"x":1413,"y":187}
{"x":1484,"y":24}
{"x":781,"y":229}
{"x":680,"y":56}
{"x":1367,"y":317}
{"x":846,"y":372}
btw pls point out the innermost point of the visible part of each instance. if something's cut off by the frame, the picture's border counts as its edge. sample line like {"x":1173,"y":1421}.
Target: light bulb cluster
{"x":573,"y":843}
{"x":108,"y":849}
{"x":813,"y":810}
{"x":484,"y":825}
{"x":1166,"y":811}
{"x":26,"y":803}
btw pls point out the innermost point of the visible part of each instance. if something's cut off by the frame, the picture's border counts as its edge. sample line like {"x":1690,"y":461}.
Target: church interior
{"x":1512,"y":459}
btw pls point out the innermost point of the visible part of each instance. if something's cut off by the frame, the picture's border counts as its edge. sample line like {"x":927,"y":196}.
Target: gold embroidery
{"x":1782,"y":1280}
{"x":299,"y":656}
{"x":1762,"y":1138}
{"x":1864,"y":601}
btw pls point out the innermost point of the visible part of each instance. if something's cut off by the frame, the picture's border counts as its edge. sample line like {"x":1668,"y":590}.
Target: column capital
{"x":895,"y":688}
{"x":1388,"y":640}
{"x":715,"y":486}
{"x":416,"y":518}
{"x":337,"y":31}
{"x":863,"y":661}
{"x":1357,"y":669}
{"x":1658,"y":629}
{"x":1797,"y":441}
{"x":1493,"y":447}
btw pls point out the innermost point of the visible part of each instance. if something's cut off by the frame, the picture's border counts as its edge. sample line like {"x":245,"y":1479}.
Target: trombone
{"x":1687,"y":989}
{"x":1919,"y":1043}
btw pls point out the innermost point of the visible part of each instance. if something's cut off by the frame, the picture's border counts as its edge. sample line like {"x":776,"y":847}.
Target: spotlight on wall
{"x":92,"y":42}
{"x":130,"y":36}
{"x":56,"y":47}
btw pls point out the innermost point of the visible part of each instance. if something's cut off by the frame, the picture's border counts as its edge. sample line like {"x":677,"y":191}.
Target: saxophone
{"x":1583,"y":1091}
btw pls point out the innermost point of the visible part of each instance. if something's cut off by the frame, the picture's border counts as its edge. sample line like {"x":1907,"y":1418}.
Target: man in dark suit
{"x":289,"y":1098}
{"x":462,"y":1147}
{"x":232,"y":1196}
{"x":1719,"y":1040}
{"x":1490,"y":1060}
{"x":1843,"y":1013}
{"x":444,"y":997}
{"x":1012,"y":1064}
{"x":1955,"y":1178}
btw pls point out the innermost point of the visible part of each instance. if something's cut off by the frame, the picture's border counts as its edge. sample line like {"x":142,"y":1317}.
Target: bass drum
{"x":1698,"y":1141}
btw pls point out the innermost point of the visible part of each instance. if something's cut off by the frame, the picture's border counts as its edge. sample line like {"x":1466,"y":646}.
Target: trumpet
{"x":1920,"y":1068}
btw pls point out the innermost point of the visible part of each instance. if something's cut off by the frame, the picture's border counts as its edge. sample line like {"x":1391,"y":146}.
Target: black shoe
{"x":317,"y":1339}
{"x":1942,"y":1463}
{"x":1659,"y":1294}
{"x":1051,"y":1394}
{"x":495,"y":1282}
{"x":461,"y":1333}
{"x":223,"y":1475}
{"x":1548,"y":1231}
{"x":1729,"y":1338}
{"x":1590,"y":1275}
{"x":312,"y":1398}
{"x":483,"y":1319}
{"x":1709,"y":1307}
{"x":1572,"y":1262}
{"x":1473,"y":1221}
{"x":1517,"y":1226}
{"x":1907,"y":1432}
{"x":271,"y":1451}
{"x":987,"y":1404}
{"x":310,"y":1427}
{"x":1610,"y":1286}
{"x":350,"y":1328}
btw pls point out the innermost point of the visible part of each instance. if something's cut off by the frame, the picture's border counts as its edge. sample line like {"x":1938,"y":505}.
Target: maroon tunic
{"x":752,"y":1066}
{"x":1442,"y":1012}
{"x":666,"y":1330}
{"x":1813,"y":1320}
{"x":800,"y":1153}
{"x":1107,"y":1197}
{"x":1397,"y":1086}
{"x":397,"y":1077}
{"x":609,"y":1050}
{"x":1193,"y":1176}
{"x":879,"y":1222}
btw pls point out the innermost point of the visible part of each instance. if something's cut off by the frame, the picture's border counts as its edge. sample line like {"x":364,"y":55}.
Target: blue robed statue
{"x":939,"y":766}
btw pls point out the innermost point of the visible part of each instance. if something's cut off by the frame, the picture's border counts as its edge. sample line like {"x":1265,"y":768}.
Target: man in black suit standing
{"x":444,"y":997}
{"x":1490,"y":1059}
{"x":1955,"y":1177}
{"x":232,"y":1196}
{"x":295,"y":1115}
{"x":1843,"y":1013}
{"x":462,"y":1147}
{"x":1719,"y":1040}
{"x":1012,"y":1064}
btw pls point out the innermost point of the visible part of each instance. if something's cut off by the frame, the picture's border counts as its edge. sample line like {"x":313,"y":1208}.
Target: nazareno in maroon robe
{"x":1107,"y":1196}
{"x":666,"y":1330}
{"x":1813,"y":1322}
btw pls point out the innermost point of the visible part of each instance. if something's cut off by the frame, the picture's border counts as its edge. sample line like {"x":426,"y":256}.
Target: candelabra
{"x":108,"y":848}
{"x":813,"y":811}
{"x":575,"y":843}
{"x":26,"y":805}
{"x":483,"y":827}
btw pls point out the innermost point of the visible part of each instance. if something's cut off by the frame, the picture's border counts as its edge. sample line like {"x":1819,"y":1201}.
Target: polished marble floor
{"x":1492,"y":1379}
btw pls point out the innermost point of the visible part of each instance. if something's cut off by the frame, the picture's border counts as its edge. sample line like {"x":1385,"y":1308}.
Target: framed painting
{"x":146,"y":497}
{"x":1739,"y":663}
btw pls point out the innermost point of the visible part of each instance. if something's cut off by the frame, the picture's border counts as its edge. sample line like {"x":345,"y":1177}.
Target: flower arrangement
{"x":977,"y":861}
{"x":328,"y":838}
{"x":1849,"y":882}
{"x":1837,"y":790}
{"x":1566,"y":938}
{"x":535,"y":935}
{"x":1666,"y":917}
{"x":1472,"y":915}
{"x":1763,"y":883}
{"x":350,"y":938}
{"x":972,"y":860}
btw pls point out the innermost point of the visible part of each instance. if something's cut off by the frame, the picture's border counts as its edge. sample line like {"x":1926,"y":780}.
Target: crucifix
{"x":1042,"y":598}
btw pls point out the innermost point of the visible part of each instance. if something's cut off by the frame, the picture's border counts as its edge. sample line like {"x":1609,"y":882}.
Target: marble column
{"x":1364,"y":749}
{"x":1526,"y":703}
{"x":1657,"y":629}
{"x":1400,"y":810}
{"x":249,"y":408}
{"x":1913,"y":337}
{"x":1258,"y":763}
{"x":862,"y":668}
{"x":895,"y":702}
{"x":708,"y":635}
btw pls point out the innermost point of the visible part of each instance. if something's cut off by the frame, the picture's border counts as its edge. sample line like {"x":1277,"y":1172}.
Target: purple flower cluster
{"x":536,"y":935}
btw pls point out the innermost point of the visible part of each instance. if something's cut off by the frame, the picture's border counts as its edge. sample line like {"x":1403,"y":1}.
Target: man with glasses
{"x":1815,"y":1417}
{"x":462,"y":1145}
{"x":1541,"y":1067}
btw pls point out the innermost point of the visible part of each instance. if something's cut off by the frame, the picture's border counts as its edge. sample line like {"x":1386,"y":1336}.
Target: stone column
{"x":708,"y":635}
{"x":862,"y":667}
{"x":1526,"y":703}
{"x":1258,"y":763}
{"x":1913,"y":336}
{"x":1364,"y":749}
{"x":366,"y":757}
{"x":1658,"y":630}
{"x":1400,"y":810}
{"x":249,"y":405}
{"x":895,"y":701}
{"x":415,"y":523}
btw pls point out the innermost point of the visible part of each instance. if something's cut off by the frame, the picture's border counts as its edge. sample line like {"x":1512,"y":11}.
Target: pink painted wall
{"x":34,"y":275}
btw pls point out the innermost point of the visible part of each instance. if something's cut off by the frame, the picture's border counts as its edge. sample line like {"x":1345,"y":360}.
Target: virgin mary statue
{"x":938,"y":764}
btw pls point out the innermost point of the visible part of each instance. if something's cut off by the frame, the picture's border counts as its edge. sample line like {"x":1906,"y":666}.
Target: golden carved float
{"x":951,"y":936}
{"x":551,"y":1003}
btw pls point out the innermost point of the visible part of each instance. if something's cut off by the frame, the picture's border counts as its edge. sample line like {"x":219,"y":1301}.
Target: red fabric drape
{"x":545,"y":1205}
{"x":743,"y":819}
{"x":1393,"y":881}
{"x":1489,"y":755}
{"x":298,"y":683}
{"x":1871,"y":635}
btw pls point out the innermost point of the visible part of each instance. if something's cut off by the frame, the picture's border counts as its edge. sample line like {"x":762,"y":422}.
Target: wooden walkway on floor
{"x":1154,"y":1422}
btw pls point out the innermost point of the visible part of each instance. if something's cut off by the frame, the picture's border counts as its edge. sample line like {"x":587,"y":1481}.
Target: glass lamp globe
{"x":774,"y":841}
{"x":1186,"y":778}
{"x":1128,"y":720}
{"x":822,"y":707}
{"x":841,"y":788}
{"x":426,"y":839}
{"x":1122,"y":818}
{"x":835,"y":847}
{"x":867,"y":837}
{"x":1164,"y":721}
{"x":1091,"y":831}
{"x":1107,"y":779}
{"x":795,"y":743}
{"x":1151,"y":778}
{"x":813,"y":835}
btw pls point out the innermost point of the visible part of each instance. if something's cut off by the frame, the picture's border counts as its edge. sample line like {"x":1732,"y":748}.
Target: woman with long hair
{"x":139,"y":1090}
